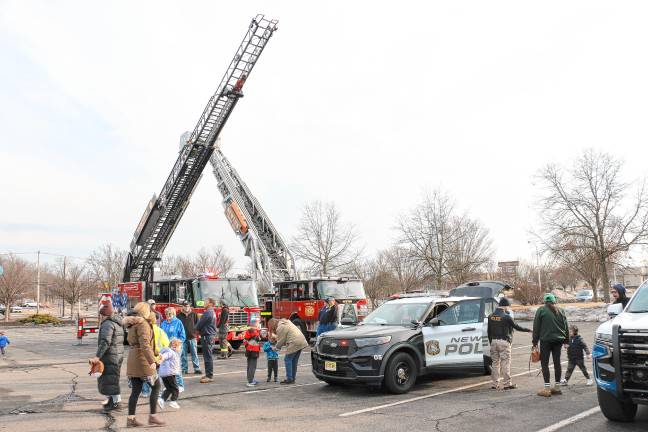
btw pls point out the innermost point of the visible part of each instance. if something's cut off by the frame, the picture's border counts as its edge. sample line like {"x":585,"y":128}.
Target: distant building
{"x":632,"y":277}
{"x":508,"y":268}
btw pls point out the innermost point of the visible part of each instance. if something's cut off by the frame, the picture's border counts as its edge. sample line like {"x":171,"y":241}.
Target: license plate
{"x":330,"y":366}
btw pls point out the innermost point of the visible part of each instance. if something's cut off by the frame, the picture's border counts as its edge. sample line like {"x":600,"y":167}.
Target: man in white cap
{"x":153,"y":306}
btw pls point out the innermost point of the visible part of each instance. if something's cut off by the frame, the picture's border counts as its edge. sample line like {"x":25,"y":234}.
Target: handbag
{"x":535,"y":354}
{"x":96,"y":368}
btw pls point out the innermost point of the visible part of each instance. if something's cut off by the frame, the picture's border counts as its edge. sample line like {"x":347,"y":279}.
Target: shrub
{"x":40,"y":319}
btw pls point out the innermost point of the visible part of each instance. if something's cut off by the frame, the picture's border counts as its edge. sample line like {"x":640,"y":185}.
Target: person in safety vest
{"x":252,"y":344}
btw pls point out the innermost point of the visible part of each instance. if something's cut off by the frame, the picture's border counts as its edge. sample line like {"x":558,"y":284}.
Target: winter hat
{"x":549,"y":298}
{"x":106,"y":308}
{"x":504,"y":302}
{"x":620,"y":289}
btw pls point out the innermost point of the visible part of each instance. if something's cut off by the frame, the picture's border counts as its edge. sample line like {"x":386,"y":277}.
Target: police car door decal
{"x":458,"y":337}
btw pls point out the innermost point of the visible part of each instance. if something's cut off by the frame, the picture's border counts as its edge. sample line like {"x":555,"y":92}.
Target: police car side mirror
{"x":434,"y":322}
{"x":614,"y":309}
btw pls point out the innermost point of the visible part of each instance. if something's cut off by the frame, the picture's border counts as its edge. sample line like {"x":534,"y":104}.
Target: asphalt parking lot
{"x":44,"y":385}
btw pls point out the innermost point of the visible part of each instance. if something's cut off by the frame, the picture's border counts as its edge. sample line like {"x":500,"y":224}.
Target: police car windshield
{"x":392,"y":313}
{"x":639,"y":303}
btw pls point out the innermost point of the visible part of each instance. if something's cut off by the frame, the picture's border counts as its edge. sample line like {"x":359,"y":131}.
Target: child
{"x":575,"y":355}
{"x":252,"y":348}
{"x":273,"y":357}
{"x":4,"y":341}
{"x":169,"y":369}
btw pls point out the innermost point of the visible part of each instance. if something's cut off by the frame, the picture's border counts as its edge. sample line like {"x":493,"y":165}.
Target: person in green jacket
{"x":550,"y":328}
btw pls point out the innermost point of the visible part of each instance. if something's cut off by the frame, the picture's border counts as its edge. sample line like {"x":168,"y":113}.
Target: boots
{"x":155,"y":421}
{"x":133,"y":422}
{"x":556,"y":391}
{"x":545,"y":392}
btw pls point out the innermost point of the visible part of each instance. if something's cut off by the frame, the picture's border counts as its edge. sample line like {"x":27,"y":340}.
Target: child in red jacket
{"x":252,"y":344}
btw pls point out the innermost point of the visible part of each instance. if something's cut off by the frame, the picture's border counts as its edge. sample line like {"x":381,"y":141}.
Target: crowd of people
{"x":551,"y":332}
{"x":160,"y":346}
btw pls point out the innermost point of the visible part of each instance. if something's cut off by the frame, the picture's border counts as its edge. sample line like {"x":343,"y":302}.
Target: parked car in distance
{"x":30,"y":304}
{"x":584,"y":295}
{"x":16,"y":309}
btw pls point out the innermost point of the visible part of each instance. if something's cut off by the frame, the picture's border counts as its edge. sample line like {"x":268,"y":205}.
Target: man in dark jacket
{"x":110,"y":351}
{"x":575,"y":357}
{"x":328,"y":316}
{"x":206,"y":327}
{"x":619,"y":294}
{"x":294,"y":318}
{"x":500,"y":336}
{"x":222,"y":323}
{"x":189,"y":320}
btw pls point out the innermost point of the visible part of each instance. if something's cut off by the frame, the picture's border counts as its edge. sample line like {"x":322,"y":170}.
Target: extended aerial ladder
{"x":164,"y":212}
{"x":262,"y":242}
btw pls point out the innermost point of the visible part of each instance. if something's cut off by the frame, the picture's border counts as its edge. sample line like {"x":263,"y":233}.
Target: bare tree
{"x":205,"y":261}
{"x":16,"y":279}
{"x":74,"y":283}
{"x":407,"y":270}
{"x":323,"y":240}
{"x":525,"y":286}
{"x":106,"y":264}
{"x":581,"y":258}
{"x":378,"y":280}
{"x":447,"y":245}
{"x":590,"y":207}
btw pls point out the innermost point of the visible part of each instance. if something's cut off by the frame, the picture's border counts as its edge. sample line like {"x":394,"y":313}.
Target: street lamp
{"x":537,"y":263}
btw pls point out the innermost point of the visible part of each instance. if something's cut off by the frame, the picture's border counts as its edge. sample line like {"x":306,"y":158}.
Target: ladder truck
{"x":273,"y":261}
{"x":164,"y":211}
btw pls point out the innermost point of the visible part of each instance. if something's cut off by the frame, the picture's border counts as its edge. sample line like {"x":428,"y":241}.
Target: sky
{"x":368,"y":104}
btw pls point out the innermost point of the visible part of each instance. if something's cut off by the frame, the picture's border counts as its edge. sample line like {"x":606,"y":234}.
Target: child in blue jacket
{"x":4,"y":341}
{"x":273,"y":358}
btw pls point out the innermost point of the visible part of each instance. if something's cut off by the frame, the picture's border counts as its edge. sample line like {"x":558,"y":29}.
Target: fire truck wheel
{"x":236,"y":344}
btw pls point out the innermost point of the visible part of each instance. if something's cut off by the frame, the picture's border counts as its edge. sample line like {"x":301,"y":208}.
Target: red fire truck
{"x":239,"y":294}
{"x":306,"y":297}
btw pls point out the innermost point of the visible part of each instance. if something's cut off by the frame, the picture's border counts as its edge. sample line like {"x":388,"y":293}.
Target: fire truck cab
{"x":306,"y":297}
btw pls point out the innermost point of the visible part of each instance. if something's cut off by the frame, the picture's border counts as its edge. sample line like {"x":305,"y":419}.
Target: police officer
{"x":500,"y":336}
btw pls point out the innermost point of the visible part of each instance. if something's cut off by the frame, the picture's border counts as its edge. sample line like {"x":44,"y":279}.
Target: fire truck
{"x":273,"y":263}
{"x":164,"y":211}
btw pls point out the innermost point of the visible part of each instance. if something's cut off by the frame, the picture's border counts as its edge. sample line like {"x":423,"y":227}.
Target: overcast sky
{"x":367,"y":104}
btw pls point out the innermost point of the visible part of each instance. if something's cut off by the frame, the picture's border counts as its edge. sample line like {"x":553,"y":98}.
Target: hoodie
{"x":623,"y":296}
{"x":170,"y":365}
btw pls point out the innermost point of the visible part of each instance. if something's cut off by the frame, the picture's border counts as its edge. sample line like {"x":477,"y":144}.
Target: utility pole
{"x":38,"y":283}
{"x":63,"y":297}
{"x":537,"y":264}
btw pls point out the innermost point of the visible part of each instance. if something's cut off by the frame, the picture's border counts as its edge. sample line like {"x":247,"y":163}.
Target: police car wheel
{"x":615,"y":409}
{"x":401,"y":373}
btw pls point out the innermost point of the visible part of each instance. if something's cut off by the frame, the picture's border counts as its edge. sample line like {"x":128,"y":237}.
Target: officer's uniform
{"x":500,"y":336}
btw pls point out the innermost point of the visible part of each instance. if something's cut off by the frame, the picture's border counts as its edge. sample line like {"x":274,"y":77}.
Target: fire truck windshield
{"x":241,"y":293}
{"x":341,"y":290}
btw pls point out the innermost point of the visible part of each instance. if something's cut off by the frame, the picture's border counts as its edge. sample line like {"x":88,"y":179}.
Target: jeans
{"x":291,"y":361}
{"x":552,"y":349}
{"x":179,"y":380}
{"x":207,"y":342}
{"x":251,"y":368}
{"x":170,"y":388}
{"x":273,"y":367}
{"x":136,"y":389}
{"x":572,"y":364}
{"x":189,"y":345}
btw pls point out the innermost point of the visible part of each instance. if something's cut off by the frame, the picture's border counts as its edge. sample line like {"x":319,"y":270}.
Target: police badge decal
{"x":432,"y":347}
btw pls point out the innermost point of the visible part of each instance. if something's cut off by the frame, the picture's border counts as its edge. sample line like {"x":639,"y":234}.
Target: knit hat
{"x":504,"y":302}
{"x":549,"y":298}
{"x":620,"y":289}
{"x":106,"y":308}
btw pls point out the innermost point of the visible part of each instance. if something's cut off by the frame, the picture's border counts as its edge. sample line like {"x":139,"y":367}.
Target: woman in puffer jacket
{"x":141,"y":365}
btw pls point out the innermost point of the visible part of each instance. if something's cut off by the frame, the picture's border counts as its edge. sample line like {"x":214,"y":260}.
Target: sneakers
{"x":268,"y":380}
{"x":174,"y":404}
{"x":198,"y":372}
{"x":133,"y":422}
{"x":161,"y":403}
{"x":180,"y":389}
{"x":252,"y":384}
{"x":111,"y":406}
{"x":555,"y":390}
{"x":545,"y":392}
{"x":154,"y":421}
{"x":287,"y":381}
{"x":205,"y":380}
{"x":589,"y":382}
{"x":510,"y":387}
{"x":563,"y":382}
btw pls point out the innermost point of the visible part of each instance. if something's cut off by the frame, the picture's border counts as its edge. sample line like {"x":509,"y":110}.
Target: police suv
{"x":621,"y":358}
{"x":409,"y":337}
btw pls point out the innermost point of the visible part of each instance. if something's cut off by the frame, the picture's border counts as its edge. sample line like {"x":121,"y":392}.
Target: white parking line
{"x":237,"y":372}
{"x":418,"y":398}
{"x":283,"y":387}
{"x":570,"y":420}
{"x":525,"y":346}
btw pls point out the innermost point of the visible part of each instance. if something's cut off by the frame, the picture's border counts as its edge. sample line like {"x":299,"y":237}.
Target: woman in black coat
{"x":294,"y":318}
{"x":110,"y":351}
